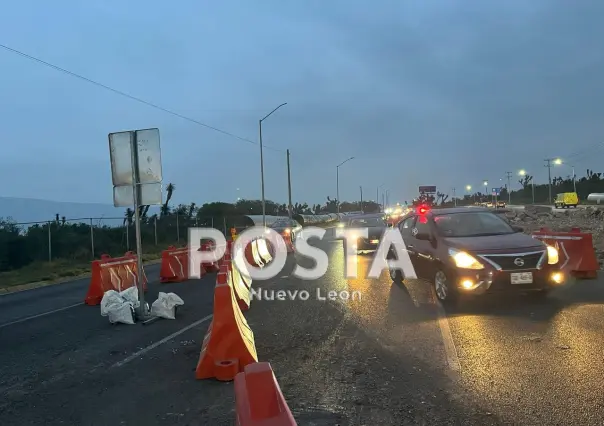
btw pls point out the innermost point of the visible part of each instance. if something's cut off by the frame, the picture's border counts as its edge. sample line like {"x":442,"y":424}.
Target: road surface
{"x":392,"y":357}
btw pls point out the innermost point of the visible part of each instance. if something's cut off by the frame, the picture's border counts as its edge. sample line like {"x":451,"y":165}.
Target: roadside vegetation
{"x":61,"y":249}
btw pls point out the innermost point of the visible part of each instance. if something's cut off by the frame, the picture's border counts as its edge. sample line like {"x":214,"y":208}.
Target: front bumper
{"x":494,"y":281}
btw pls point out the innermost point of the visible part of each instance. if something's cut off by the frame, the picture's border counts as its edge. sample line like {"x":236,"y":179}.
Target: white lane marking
{"x":445,"y":331}
{"x":49,"y":312}
{"x":160,"y":342}
{"x":40,"y":315}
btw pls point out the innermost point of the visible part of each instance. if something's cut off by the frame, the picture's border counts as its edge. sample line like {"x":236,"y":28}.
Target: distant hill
{"x":24,"y":210}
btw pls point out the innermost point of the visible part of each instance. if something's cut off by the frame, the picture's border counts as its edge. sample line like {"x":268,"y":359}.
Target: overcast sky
{"x":420,"y":92}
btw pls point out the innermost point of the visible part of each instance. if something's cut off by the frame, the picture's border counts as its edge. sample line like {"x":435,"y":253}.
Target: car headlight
{"x":464,"y":260}
{"x":552,"y":255}
{"x":287,"y":230}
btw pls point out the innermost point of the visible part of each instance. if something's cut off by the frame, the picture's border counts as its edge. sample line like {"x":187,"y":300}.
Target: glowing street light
{"x":523,"y":173}
{"x":559,"y":162}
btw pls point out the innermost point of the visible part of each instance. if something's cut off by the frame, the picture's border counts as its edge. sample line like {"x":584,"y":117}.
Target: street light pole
{"x":560,"y":162}
{"x":509,"y":175}
{"x":377,"y":195}
{"x":338,"y":182}
{"x":523,"y":173}
{"x":262,"y":162}
{"x":289,"y":188}
{"x":361,"y":188}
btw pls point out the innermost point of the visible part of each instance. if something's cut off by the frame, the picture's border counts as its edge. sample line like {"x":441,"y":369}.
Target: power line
{"x":131,"y":97}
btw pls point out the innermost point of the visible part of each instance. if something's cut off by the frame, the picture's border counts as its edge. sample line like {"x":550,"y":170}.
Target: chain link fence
{"x":84,"y":239}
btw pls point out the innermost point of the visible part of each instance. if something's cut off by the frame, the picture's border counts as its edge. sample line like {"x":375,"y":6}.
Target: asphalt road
{"x":392,"y":357}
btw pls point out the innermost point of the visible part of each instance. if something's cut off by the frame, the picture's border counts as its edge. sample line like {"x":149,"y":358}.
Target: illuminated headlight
{"x":464,"y":260}
{"x":287,"y":230}
{"x":552,"y":255}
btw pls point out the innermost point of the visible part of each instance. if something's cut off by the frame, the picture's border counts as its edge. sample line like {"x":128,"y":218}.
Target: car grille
{"x":506,"y":262}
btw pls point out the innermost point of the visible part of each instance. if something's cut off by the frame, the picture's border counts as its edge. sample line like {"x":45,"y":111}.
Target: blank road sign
{"x":150,"y":195}
{"x":147,"y":150}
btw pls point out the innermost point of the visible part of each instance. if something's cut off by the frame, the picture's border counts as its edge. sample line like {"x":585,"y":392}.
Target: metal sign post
{"x":137,"y":177}
{"x":143,"y":314}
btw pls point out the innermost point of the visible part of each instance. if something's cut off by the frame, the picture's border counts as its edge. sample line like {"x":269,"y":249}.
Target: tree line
{"x":81,"y":242}
{"x":591,"y":183}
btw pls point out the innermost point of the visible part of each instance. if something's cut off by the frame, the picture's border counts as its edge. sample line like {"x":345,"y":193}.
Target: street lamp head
{"x":522,"y":172}
{"x":268,"y":115}
{"x":485,"y":183}
{"x":345,"y":161}
{"x":558,"y":161}
{"x":468,"y":187}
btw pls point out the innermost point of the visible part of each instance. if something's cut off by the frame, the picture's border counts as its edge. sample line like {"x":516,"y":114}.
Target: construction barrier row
{"x":175,"y":264}
{"x":228,"y":351}
{"x":112,"y":273}
{"x":575,"y":250}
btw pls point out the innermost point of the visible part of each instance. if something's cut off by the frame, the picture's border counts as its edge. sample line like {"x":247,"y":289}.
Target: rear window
{"x":471,"y":224}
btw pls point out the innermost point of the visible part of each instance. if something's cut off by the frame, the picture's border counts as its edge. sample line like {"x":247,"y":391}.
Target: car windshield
{"x":471,"y":224}
{"x":368,"y":221}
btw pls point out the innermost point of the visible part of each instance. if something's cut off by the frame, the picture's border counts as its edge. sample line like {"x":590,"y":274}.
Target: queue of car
{"x":463,"y":252}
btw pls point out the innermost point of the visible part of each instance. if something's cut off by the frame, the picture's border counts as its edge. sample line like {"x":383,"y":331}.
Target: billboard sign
{"x":427,"y":189}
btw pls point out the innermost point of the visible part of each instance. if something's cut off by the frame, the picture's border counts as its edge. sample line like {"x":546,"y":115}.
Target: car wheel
{"x":396,"y":276}
{"x":445,"y":293}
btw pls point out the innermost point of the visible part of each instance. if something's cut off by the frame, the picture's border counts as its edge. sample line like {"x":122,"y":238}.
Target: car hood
{"x":517,"y":241}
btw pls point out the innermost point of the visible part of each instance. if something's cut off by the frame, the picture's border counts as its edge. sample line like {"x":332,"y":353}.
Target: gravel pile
{"x":589,"y":220}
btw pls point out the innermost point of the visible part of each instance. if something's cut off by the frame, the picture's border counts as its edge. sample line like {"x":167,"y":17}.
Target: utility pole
{"x":548,"y":164}
{"x":361,"y":188}
{"x":338,"y":182}
{"x":262,"y":161}
{"x":289,"y":187}
{"x":454,"y":197}
{"x":509,"y":188}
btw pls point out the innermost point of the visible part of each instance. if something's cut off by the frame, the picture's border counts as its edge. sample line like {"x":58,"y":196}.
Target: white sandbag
{"x":123,"y":313}
{"x":131,"y":295}
{"x":165,"y":305}
{"x":110,"y":298}
{"x":117,"y":308}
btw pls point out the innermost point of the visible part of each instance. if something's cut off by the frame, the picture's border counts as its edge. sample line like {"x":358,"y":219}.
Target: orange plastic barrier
{"x":252,"y":255}
{"x":263,"y":251}
{"x":576,"y":251}
{"x":258,"y":398}
{"x":241,"y":289}
{"x":209,"y":266}
{"x":175,"y":265}
{"x":109,"y":273}
{"x":228,"y":345}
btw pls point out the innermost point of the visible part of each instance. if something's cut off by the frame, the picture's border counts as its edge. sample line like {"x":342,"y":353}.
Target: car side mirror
{"x":518,"y":228}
